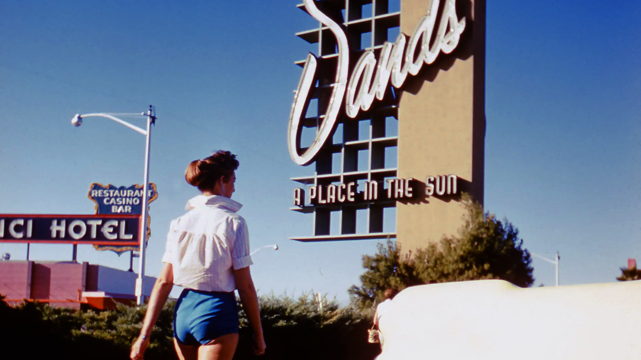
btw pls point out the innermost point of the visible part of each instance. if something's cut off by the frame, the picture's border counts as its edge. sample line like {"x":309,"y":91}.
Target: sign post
{"x":140,"y":297}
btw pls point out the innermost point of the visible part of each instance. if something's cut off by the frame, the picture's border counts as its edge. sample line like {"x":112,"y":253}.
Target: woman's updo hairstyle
{"x":204,"y":173}
{"x":390,"y":293}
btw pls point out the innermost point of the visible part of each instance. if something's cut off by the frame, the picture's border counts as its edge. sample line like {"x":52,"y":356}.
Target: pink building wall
{"x":15,"y":279}
{"x":62,"y":283}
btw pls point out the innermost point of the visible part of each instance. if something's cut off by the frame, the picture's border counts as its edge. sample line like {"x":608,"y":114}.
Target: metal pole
{"x":74,"y":255}
{"x":140,"y":297}
{"x":557,"y":268}
{"x":28,"y":248}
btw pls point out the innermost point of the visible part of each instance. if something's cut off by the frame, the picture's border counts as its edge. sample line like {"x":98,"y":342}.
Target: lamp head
{"x":275,"y":247}
{"x":77,"y":120}
{"x":6,"y":256}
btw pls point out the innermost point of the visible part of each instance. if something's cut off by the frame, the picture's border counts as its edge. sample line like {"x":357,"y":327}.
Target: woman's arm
{"x":159,"y":295}
{"x":249,"y":299}
{"x":376,"y":317}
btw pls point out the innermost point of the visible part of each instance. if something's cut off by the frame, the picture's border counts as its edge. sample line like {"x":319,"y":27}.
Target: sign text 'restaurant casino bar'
{"x":391,"y":109}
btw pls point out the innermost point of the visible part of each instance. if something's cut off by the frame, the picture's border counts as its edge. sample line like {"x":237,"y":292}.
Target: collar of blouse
{"x":213,"y":200}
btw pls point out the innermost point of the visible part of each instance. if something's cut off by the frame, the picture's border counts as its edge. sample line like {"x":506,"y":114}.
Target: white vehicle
{"x":495,"y":320}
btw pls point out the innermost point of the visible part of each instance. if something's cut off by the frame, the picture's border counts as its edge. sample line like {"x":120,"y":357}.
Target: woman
{"x":208,"y":255}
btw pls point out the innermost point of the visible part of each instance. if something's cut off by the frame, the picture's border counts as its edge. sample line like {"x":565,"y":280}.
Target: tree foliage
{"x":628,"y":274}
{"x":387,"y":268}
{"x":485,"y":248}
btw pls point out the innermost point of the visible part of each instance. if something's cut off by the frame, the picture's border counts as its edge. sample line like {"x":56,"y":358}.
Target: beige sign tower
{"x":442,"y":127}
{"x":390,"y":110}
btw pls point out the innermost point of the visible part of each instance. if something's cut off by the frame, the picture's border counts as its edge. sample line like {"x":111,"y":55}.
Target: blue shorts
{"x":202,"y":316}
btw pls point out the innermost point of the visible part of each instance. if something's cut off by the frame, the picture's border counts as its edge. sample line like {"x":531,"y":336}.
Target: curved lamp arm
{"x":275,"y":247}
{"x":544,"y":258}
{"x":553,"y":262}
{"x":77,"y":120}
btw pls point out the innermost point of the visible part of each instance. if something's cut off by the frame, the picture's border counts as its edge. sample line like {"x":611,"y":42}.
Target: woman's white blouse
{"x":206,"y":244}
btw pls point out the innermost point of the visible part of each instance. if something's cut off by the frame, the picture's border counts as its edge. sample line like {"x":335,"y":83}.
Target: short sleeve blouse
{"x":206,"y":244}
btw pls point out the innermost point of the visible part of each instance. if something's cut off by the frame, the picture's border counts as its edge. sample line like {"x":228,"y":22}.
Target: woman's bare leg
{"x":186,"y":352}
{"x":221,"y":348}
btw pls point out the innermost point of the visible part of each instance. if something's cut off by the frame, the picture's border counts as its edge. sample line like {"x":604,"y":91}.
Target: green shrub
{"x":294,"y":329}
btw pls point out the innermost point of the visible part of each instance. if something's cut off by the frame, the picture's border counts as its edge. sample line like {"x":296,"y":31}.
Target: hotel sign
{"x":116,"y":230}
{"x":111,"y":199}
{"x":387,"y":91}
{"x":370,"y":77}
{"x":397,"y":190}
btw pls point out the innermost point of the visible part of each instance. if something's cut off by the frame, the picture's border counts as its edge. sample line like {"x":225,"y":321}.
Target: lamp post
{"x":554,"y":262}
{"x":151,"y":119}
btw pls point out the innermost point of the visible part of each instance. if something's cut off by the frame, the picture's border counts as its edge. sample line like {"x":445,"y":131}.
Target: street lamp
{"x":275,"y":247}
{"x":554,"y":262}
{"x":151,"y":119}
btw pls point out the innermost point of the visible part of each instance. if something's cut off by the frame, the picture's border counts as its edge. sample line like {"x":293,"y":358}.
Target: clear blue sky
{"x":563,"y":143}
